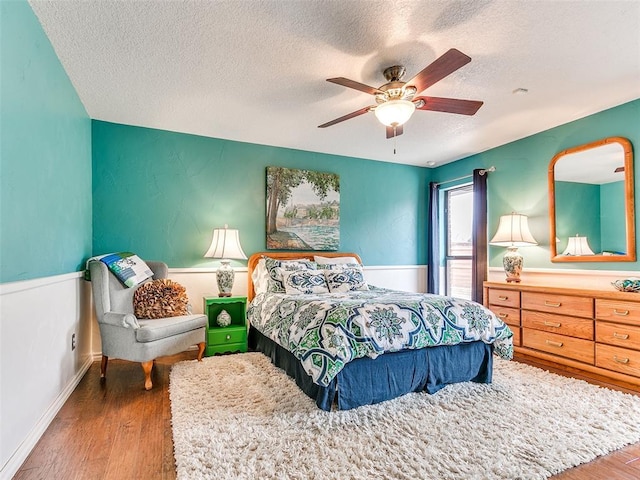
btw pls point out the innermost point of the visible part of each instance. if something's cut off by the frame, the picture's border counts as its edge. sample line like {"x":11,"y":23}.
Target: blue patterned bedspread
{"x":326,"y":331}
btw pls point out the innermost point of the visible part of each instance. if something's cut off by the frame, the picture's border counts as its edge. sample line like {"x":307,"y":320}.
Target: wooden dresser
{"x":595,"y":332}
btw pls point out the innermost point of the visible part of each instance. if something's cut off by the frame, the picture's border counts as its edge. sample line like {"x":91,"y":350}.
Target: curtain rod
{"x":482,"y":172}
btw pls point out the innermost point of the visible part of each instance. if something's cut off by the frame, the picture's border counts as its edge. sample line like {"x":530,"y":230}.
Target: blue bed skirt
{"x":366,"y":381}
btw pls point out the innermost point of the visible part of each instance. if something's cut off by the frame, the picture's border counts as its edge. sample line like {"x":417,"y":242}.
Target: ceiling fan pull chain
{"x":395,"y":138}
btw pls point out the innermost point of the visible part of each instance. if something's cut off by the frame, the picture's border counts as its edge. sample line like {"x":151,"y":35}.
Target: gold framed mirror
{"x":591,"y":203}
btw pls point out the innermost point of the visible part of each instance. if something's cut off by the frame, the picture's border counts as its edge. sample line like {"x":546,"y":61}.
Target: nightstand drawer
{"x":504,"y":298}
{"x":625,"y":336}
{"x":559,"y":304}
{"x":618,"y":311}
{"x":510,"y":316}
{"x":221,"y":336}
{"x":575,"y":348}
{"x":571,"y":326}
{"x":618,"y":359}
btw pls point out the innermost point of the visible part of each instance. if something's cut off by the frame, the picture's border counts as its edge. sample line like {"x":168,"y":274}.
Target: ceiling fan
{"x":396,"y":100}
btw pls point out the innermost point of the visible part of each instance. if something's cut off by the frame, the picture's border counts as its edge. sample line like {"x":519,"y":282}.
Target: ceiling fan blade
{"x":442,"y":66}
{"x":346,"y":117}
{"x":345,"y":82}
{"x":394,"y":132}
{"x":449,"y":105}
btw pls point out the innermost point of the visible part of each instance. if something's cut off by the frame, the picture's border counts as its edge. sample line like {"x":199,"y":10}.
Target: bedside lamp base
{"x":512,"y":262}
{"x":225,"y":276}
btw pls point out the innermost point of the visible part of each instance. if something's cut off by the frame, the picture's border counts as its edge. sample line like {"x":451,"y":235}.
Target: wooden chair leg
{"x":201,"y":346}
{"x":147,"y":367}
{"x":103,"y":366}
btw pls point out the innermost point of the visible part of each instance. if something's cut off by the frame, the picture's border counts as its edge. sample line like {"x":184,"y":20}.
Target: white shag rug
{"x":240,"y":417}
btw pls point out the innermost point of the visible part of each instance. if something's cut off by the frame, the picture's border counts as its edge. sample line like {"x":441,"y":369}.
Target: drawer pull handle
{"x":503,"y":315}
{"x":620,"y":360}
{"x":552,"y":324}
{"x":622,"y":313}
{"x":552,"y":304}
{"x":553,"y":344}
{"x":621,"y":336}
{"x":228,"y":337}
{"x":503,"y":298}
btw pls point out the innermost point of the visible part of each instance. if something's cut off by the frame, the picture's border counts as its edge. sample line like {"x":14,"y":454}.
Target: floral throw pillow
{"x":345,"y":280}
{"x":275,"y":268}
{"x":305,"y":282}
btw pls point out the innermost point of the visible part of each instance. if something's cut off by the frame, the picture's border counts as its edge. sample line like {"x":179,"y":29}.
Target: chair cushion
{"x":156,"y":329}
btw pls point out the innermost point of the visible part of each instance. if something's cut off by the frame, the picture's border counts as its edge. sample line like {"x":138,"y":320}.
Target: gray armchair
{"x":139,"y":340}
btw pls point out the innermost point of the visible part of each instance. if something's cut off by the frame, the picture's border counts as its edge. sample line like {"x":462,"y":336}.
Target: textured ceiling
{"x":254,"y":71}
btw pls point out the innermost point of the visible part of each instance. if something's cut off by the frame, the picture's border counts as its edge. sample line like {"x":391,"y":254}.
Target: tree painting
{"x":303,"y":209}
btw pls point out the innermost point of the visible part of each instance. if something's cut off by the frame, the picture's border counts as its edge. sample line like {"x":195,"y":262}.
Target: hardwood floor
{"x":118,"y":431}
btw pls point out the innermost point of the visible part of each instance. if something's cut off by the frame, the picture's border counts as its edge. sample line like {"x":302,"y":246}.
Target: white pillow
{"x":260,"y":277}
{"x":334,"y":260}
{"x":305,"y":282}
{"x":346,"y":280}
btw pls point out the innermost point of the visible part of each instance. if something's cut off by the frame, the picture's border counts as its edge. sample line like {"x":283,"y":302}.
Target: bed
{"x":352,"y":344}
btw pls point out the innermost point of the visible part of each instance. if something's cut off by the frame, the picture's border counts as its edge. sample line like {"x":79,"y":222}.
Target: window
{"x":458,"y":228}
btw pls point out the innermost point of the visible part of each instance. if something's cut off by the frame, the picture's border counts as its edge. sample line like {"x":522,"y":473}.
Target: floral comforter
{"x":326,"y":331}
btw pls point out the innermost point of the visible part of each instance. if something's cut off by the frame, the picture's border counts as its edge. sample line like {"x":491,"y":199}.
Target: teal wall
{"x":520,"y":180}
{"x":613,"y":226}
{"x":578,"y":213}
{"x":160,"y":194}
{"x":45,"y":155}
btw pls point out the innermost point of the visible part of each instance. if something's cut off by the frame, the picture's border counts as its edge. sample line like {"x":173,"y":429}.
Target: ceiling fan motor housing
{"x":395,"y":89}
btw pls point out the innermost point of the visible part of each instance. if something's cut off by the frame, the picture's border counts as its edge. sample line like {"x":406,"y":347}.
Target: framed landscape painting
{"x":303,"y":209}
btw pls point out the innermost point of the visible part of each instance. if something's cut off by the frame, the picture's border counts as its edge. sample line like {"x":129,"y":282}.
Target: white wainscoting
{"x":38,"y":369}
{"x":201,"y":282}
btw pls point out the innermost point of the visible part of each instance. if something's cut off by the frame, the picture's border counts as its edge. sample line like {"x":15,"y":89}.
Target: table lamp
{"x":513,"y":232}
{"x":225,"y":245}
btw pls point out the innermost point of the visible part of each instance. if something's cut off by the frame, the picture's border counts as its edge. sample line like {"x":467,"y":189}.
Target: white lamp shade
{"x":394,"y":112}
{"x":578,"y":246}
{"x":513,"y":231}
{"x":225,"y":244}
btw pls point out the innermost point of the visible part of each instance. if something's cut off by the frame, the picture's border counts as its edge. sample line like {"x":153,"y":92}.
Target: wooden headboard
{"x":255,"y":258}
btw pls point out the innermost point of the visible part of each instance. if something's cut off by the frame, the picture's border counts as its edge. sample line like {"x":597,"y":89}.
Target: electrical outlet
{"x":73,"y":341}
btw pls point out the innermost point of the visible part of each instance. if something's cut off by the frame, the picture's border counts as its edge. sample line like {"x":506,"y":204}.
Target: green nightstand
{"x":232,"y":338}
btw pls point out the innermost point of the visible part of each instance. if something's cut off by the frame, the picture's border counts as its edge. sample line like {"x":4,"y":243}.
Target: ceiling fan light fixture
{"x":394,"y":113}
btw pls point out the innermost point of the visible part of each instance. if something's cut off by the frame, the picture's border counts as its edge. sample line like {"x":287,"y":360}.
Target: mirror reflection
{"x":591,"y":203}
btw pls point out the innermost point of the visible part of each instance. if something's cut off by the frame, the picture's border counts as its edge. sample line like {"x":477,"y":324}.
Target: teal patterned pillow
{"x":305,"y":282}
{"x":275,"y":268}
{"x":345,"y":280}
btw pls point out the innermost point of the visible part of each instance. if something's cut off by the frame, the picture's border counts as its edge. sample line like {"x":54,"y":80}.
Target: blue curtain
{"x":479,"y":235}
{"x":433,"y":272}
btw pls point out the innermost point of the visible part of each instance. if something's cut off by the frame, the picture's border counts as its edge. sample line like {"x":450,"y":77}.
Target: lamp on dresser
{"x":225,"y":245}
{"x":513,"y":232}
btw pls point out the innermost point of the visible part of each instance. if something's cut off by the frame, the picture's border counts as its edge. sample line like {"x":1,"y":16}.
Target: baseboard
{"x":23,"y":451}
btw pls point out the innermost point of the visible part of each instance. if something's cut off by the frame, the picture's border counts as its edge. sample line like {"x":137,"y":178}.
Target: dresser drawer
{"x":575,"y":348}
{"x":559,"y":304}
{"x":548,"y":322}
{"x":504,"y":298}
{"x":618,"y":359}
{"x":618,"y":311}
{"x":626,"y":336}
{"x":510,"y":316}
{"x":517,"y":336}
